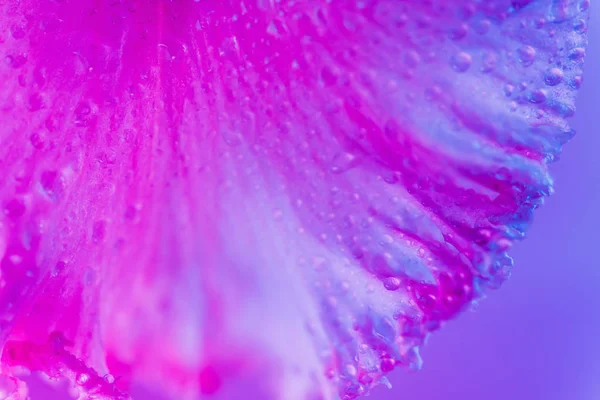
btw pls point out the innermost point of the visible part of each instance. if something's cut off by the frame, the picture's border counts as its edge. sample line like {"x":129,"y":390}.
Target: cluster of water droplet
{"x":399,"y":146}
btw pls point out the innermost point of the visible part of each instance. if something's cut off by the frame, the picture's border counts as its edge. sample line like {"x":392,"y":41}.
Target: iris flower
{"x":287,"y":193}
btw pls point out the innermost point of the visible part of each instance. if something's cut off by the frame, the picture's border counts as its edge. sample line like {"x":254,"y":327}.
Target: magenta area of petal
{"x":292,"y":193}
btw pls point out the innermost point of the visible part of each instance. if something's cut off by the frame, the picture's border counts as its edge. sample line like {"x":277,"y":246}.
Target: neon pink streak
{"x":198,"y":194}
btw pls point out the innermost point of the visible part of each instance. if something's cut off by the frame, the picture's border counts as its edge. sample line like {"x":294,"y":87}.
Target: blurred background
{"x":538,"y":337}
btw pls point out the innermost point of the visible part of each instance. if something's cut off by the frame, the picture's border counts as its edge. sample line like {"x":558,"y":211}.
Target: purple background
{"x":539,"y":336}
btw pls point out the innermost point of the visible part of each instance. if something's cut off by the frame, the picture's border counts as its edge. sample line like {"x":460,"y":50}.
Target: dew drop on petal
{"x":553,"y":77}
{"x":526,"y":55}
{"x":461,"y":62}
{"x":392,"y":283}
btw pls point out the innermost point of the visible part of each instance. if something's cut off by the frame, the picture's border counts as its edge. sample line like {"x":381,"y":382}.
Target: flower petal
{"x":198,"y":191}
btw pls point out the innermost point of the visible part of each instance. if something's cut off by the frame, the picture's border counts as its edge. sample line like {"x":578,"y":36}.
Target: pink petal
{"x":199,"y":194}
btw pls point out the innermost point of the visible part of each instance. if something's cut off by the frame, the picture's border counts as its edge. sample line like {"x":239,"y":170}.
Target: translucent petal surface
{"x":288,"y":193}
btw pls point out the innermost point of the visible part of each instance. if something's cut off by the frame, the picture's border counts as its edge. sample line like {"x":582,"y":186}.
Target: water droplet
{"x":109,"y":378}
{"x":576,"y":82}
{"x":433,"y":93}
{"x":328,"y":76}
{"x":58,"y":268}
{"x":577,"y":54}
{"x":131,"y":212}
{"x":342,"y":162}
{"x":231,"y":138}
{"x":330,"y":373}
{"x":584,"y":5}
{"x":99,"y":231}
{"x":559,"y":10}
{"x":17,"y":31}
{"x":553,"y":77}
{"x":526,"y":55}
{"x":461,"y":62}
{"x":580,"y":26}
{"x":412,"y":58}
{"x":15,"y":208}
{"x":353,"y":390}
{"x":90,"y":276}
{"x":83,"y":113}
{"x":489,"y":62}
{"x":16,"y":60}
{"x":82,"y":378}
{"x":51,"y":184}
{"x":36,"y":102}
{"x":537,"y":96}
{"x":459,"y":32}
{"x":272,"y":29}
{"x":387,"y":364}
{"x":351,"y":370}
{"x":37,"y":140}
{"x":540,"y":22}
{"x":482,"y":27}
{"x":392,"y":283}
